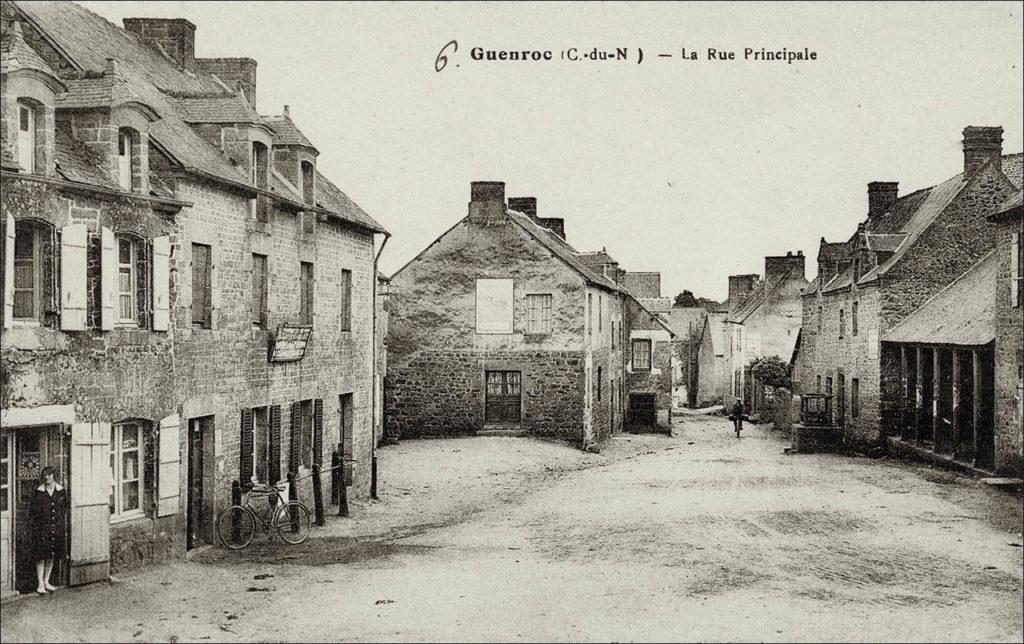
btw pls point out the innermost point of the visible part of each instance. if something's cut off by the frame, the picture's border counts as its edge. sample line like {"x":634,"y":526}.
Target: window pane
{"x":23,"y":304}
{"x":130,"y":496}
{"x":130,"y":465}
{"x":124,"y":251}
{"x":24,"y":241}
{"x":129,"y":436}
{"x":25,"y":119}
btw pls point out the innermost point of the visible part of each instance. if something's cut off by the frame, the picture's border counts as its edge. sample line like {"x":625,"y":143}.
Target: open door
{"x":90,"y":502}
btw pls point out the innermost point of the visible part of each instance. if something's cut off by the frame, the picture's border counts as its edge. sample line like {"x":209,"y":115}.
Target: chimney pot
{"x":287,"y":112}
{"x":982,"y":144}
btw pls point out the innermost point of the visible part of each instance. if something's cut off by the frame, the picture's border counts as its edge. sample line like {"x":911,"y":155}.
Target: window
{"x":125,"y":175}
{"x":590,"y":314}
{"x":739,"y":339}
{"x":306,"y":293}
{"x":842,"y":323}
{"x":856,"y":269}
{"x":819,"y":319}
{"x":202,"y":287}
{"x":307,"y":182}
{"x":126,"y":471}
{"x":259,"y":290}
{"x":600,"y":379}
{"x":614,"y":332}
{"x":855,"y":397}
{"x":26,"y":137}
{"x":346,"y":299}
{"x":854,"y":312}
{"x":828,"y":385}
{"x":259,"y":171}
{"x":641,"y":354}
{"x":600,"y":313}
{"x":28,"y":271}
{"x":538,"y":314}
{"x":127,"y":281}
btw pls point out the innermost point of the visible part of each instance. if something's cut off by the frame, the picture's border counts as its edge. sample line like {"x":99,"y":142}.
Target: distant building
{"x":642,"y":284}
{"x":687,"y":324}
{"x":764,"y":322}
{"x":907,"y":250}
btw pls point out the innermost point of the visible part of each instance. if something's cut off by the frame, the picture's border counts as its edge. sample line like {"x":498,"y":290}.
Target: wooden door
{"x":6,"y":516}
{"x":90,"y":502}
{"x":503,"y":397}
{"x":195,"y":483}
{"x":841,"y":401}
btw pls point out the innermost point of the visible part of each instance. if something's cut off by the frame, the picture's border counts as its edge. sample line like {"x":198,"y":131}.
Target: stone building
{"x":1009,"y":338}
{"x":764,"y":320}
{"x":649,"y":367}
{"x":687,"y":324}
{"x":906,"y":250}
{"x":187,"y":300}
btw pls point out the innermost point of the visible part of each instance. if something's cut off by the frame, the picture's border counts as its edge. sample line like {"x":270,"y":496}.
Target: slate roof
{"x":562,"y":251}
{"x":330,"y":197}
{"x":76,"y":163}
{"x":1012,"y":207}
{"x":15,"y":53}
{"x":286,"y":132}
{"x":679,"y":319}
{"x":656,"y":304}
{"x":883,"y":243}
{"x":832,"y":251}
{"x":597,"y":258}
{"x":231,"y":108}
{"x":963,"y":313}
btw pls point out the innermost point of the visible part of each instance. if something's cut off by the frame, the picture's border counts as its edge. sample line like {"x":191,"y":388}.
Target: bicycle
{"x":236,"y":526}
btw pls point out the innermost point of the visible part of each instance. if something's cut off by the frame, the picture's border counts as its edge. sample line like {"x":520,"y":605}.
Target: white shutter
{"x":161,"y":282}
{"x":170,"y":463}
{"x":73,"y":262}
{"x":90,"y":502}
{"x":1015,"y":269}
{"x":108,"y":278}
{"x":8,"y":271}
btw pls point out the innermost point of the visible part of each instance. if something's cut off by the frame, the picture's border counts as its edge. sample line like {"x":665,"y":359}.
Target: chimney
{"x":740,"y":288}
{"x":982,"y":145}
{"x":175,"y":37}
{"x":232,"y":71}
{"x":554,"y":224}
{"x":881,"y":195}
{"x":778,"y":267}
{"x":525,"y":205}
{"x":487,"y":202}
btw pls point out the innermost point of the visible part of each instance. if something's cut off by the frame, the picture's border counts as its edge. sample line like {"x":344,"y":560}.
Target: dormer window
{"x":307,"y":175}
{"x":259,"y":171}
{"x":26,"y":136}
{"x":126,"y":172}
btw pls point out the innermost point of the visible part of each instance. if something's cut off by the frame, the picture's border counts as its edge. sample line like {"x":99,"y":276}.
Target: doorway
{"x":25,"y":452}
{"x":503,"y":398}
{"x":643,"y":412}
{"x":841,"y":400}
{"x":199,"y":529}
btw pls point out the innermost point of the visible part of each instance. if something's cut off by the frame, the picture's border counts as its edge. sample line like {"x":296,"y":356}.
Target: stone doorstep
{"x":501,"y":431}
{"x":901,"y":448}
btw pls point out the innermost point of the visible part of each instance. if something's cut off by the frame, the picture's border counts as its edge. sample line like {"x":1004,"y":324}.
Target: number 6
{"x":442,"y":60}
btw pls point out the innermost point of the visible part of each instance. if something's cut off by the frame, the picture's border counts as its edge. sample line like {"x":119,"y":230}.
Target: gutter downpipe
{"x":373,"y":383}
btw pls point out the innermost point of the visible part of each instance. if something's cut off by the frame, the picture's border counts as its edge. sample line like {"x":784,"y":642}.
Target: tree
{"x":772,"y":371}
{"x":685,"y":300}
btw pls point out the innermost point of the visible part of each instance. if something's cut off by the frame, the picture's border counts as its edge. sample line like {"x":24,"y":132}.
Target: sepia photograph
{"x":511,"y":321}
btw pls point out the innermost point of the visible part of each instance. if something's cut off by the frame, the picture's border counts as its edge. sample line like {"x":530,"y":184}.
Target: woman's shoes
{"x":50,"y":587}
{"x":41,"y":590}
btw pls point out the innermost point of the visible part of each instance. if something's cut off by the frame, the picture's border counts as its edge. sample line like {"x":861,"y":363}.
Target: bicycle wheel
{"x":292,"y":522}
{"x":236,"y":527}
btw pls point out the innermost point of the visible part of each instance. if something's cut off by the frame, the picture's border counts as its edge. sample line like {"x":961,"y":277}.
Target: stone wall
{"x":1009,"y":361}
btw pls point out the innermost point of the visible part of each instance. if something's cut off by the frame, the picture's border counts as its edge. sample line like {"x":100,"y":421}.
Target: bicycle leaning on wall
{"x":290,"y":520}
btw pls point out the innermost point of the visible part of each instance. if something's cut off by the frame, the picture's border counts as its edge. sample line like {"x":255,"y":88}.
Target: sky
{"x":697,"y":169}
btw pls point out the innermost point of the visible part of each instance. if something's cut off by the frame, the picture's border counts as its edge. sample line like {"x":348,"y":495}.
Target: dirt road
{"x":695,"y":536}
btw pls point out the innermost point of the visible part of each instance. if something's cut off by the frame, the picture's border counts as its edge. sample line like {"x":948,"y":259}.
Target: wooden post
{"x":318,"y":497}
{"x":976,"y":406}
{"x":293,"y":495}
{"x":918,"y":395}
{"x":335,"y":474}
{"x":955,"y":448}
{"x":936,"y":397}
{"x":904,"y":393}
{"x":373,"y":477}
{"x":236,"y":499}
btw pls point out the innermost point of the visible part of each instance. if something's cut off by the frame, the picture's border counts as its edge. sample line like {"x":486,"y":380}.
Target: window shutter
{"x":1015,"y":269}
{"x":214,"y":286}
{"x":275,"y":444}
{"x":318,"y":431}
{"x":161,"y":282}
{"x":170,"y":462}
{"x":89,"y":490}
{"x":246,"y":448}
{"x":108,"y":278}
{"x":144,"y":309}
{"x":73,"y":242}
{"x":8,"y":270}
{"x":293,"y":452}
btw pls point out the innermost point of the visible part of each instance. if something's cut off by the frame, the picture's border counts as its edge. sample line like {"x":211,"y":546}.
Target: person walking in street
{"x":737,"y":416}
{"x":49,"y":509}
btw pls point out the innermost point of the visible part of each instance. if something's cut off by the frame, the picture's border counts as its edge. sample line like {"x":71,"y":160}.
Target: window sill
{"x":26,"y":324}
{"x":127,"y":516}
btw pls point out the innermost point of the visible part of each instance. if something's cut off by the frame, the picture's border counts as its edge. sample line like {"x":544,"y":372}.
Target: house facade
{"x":188,"y":302}
{"x":906,"y":250}
{"x":649,"y":367}
{"x":499,"y":326}
{"x":764,"y":320}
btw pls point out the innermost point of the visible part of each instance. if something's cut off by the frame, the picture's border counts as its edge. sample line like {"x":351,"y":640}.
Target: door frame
{"x":200,"y":441}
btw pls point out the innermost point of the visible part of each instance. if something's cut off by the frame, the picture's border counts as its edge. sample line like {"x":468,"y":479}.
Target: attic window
{"x":259,"y":169}
{"x":127,"y":169}
{"x":307,"y":175}
{"x":26,"y":136}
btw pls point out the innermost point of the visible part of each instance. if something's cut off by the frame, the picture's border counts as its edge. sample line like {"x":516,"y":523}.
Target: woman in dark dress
{"x":49,"y":508}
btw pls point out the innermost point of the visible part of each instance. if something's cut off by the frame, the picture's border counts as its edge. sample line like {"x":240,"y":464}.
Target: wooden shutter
{"x":108,"y":279}
{"x":246,"y":448}
{"x":318,"y":431}
{"x":275,"y":444}
{"x":214,"y":295}
{"x":161,"y":282}
{"x":90,"y":499}
{"x":73,"y":248}
{"x":8,"y":270}
{"x":143,"y":298}
{"x":168,"y":490}
{"x":293,"y":452}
